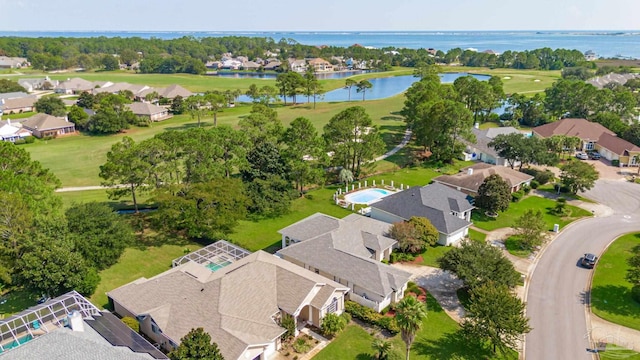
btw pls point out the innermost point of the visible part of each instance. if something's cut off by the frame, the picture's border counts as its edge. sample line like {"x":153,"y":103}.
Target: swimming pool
{"x":367,"y":196}
{"x":218,"y":263}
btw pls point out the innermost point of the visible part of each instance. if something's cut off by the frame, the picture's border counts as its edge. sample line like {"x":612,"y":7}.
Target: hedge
{"x":370,"y":316}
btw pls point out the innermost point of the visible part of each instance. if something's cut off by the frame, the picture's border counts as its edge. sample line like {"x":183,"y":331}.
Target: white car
{"x":582,"y":156}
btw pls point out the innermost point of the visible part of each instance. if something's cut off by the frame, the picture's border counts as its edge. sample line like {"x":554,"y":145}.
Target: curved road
{"x":557,"y":289}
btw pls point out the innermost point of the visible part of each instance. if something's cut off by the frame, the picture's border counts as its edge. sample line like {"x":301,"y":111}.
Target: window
{"x":333,"y":307}
{"x":317,"y":271}
{"x":155,"y":329}
{"x":589,"y":146}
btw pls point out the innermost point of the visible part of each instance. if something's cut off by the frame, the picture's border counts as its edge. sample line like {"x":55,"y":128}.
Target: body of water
{"x":381,"y":88}
{"x":271,"y":75}
{"x":603,"y":43}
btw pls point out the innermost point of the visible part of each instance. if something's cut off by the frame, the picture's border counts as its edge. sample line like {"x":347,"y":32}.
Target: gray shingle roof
{"x":65,"y":344}
{"x":42,"y":122}
{"x":310,"y":227}
{"x":234,"y":304}
{"x":147,"y":109}
{"x":369,"y":274}
{"x":434,"y":202}
{"x":480,"y":172}
{"x":484,"y":137}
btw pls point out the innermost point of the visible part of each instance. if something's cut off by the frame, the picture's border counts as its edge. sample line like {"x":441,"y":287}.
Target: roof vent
{"x":470,"y":171}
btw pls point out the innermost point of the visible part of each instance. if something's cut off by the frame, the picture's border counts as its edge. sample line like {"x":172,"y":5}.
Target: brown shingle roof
{"x":18,"y":103}
{"x":582,"y":128}
{"x":482,"y":171}
{"x":147,"y":109}
{"x":42,"y":122}
{"x":616,"y":144}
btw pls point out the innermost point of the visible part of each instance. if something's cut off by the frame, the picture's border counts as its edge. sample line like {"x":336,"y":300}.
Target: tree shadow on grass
{"x":451,"y":346}
{"x":615,"y":299}
{"x":364,"y":356}
{"x":192,"y":125}
{"x":392,"y":118}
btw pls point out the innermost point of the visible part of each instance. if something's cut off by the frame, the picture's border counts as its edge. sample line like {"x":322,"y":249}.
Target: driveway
{"x":558,"y":289}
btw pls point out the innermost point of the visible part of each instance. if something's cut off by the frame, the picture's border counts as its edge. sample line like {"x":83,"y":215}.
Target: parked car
{"x":594,"y":155}
{"x":582,"y":156}
{"x":588,"y":260}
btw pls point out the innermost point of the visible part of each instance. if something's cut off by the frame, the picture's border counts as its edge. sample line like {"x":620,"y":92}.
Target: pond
{"x":382,"y":88}
{"x":272,"y":75}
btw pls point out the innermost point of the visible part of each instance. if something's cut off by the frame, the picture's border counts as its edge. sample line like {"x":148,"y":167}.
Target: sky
{"x":325,"y":15}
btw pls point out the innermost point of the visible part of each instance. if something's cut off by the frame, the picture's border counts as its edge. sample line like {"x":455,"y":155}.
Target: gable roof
{"x":617,"y":145}
{"x":18,"y":103}
{"x":147,"y":109}
{"x":42,"y":122}
{"x":479,"y":172}
{"x":225,"y":302}
{"x":13,"y":95}
{"x":369,"y":274}
{"x":484,"y":137}
{"x":582,"y":128}
{"x":434,"y":202}
{"x":77,"y":84}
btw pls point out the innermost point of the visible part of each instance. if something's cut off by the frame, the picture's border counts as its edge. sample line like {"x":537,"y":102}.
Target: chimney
{"x":75,"y":321}
{"x":470,"y":171}
{"x":476,"y":125}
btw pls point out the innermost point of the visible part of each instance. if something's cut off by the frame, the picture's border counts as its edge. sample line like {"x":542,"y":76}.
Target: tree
{"x":578,"y":176}
{"x":233,"y":145}
{"x":407,"y":236}
{"x":214,"y":104}
{"x":332,"y":324}
{"x":427,"y":233}
{"x":530,"y":228}
{"x":382,"y":348}
{"x":178,"y":105}
{"x":128,"y":56}
{"x":196,"y":106}
{"x":152,"y":97}
{"x":262,"y":125}
{"x":7,"y":86}
{"x":125,"y":172}
{"x":270,"y":197}
{"x":202,"y":210}
{"x":362,"y":86}
{"x":51,"y":105}
{"x":353,"y":138}
{"x":304,"y":153}
{"x":51,"y":267}
{"x":86,"y":100}
{"x":196,"y":345}
{"x":494,"y":194}
{"x":633,"y":273}
{"x":477,"y":263}
{"x":253,"y":93}
{"x":110,"y":62}
{"x":79,"y":117}
{"x":263,"y":161}
{"x":496,"y":315}
{"x":99,"y":233}
{"x":349,"y":84}
{"x":409,"y":314}
{"x":345,"y":176}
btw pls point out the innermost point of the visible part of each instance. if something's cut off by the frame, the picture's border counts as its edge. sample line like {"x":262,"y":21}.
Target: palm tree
{"x":345,"y":176}
{"x":348,"y":84}
{"x":382,"y":347}
{"x":362,"y":87}
{"x":409,"y":315}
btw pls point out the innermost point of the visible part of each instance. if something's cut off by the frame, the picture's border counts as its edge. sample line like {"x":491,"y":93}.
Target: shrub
{"x":635,"y":293}
{"x":526,"y":189}
{"x":400,"y":256}
{"x":615,"y":162}
{"x":413,"y":287}
{"x":132,"y":323}
{"x":332,"y":324}
{"x":20,"y":141}
{"x":530,"y":171}
{"x":289,"y":324}
{"x":534,"y":184}
{"x":371,"y":316}
{"x":516,"y":196}
{"x":30,"y":139}
{"x":543,"y":177}
{"x":300,"y":346}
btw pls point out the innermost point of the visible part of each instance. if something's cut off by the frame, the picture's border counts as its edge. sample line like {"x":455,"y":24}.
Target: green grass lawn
{"x":615,"y":352}
{"x":100,"y":195}
{"x":17,"y":300}
{"x":437,"y":339}
{"x":477,"y":235}
{"x":513,"y":247}
{"x":610,"y":292}
{"x":136,"y":263}
{"x":508,"y":218}
{"x":430,"y":256}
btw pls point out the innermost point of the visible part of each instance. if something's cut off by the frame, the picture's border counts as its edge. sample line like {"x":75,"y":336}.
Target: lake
{"x":383,"y":88}
{"x":272,"y":75}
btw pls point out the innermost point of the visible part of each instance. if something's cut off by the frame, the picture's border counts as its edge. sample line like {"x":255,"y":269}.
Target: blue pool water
{"x":367,"y":196}
{"x":16,"y":343}
{"x":214,"y":266}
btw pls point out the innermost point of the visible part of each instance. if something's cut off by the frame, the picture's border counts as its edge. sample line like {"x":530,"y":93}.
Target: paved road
{"x":557,"y":289}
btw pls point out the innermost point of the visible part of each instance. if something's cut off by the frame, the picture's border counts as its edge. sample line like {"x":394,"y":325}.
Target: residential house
{"x":44,"y":125}
{"x":448,"y":210}
{"x":273,"y":65}
{"x":348,"y":251}
{"x":594,"y":137}
{"x":250,"y":65}
{"x":44,"y":83}
{"x":612,"y":78}
{"x":469,"y":179}
{"x":240,"y":305}
{"x":13,"y":95}
{"x":590,"y":55}
{"x":74,"y":86}
{"x":231,"y":64}
{"x":12,"y":62}
{"x":114,"y":88}
{"x":480,"y":149}
{"x":149,"y":111}
{"x":69,"y":327}
{"x":297,"y":65}
{"x":320,"y":65}
{"x":12,"y":131}
{"x":17,"y":105}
